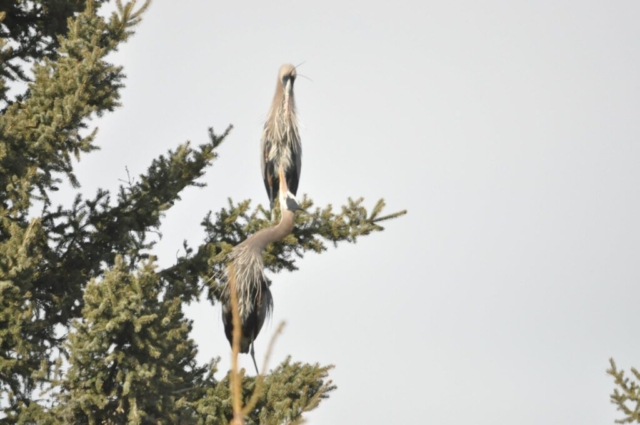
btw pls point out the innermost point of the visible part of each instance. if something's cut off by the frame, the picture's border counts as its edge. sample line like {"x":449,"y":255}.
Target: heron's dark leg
{"x":253,"y":356}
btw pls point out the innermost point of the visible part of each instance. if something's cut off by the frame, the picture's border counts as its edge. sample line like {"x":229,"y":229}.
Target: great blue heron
{"x":254,"y":297}
{"x":280,"y":144}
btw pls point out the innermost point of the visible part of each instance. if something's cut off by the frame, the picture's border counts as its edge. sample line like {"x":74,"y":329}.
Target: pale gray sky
{"x":510,"y":132}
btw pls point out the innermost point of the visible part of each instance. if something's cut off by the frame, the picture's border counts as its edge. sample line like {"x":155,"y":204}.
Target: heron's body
{"x":246,"y":266}
{"x":280,"y":144}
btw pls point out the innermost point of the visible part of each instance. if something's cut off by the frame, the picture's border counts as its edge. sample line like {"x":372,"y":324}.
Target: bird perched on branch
{"x":280,"y":144}
{"x":245,"y":272}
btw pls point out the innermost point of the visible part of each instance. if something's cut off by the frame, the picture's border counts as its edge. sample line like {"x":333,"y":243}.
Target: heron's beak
{"x":283,"y":181}
{"x":289,"y":87}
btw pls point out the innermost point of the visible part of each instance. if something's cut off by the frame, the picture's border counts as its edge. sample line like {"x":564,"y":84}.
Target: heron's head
{"x":287,"y":76}
{"x":288,"y":202}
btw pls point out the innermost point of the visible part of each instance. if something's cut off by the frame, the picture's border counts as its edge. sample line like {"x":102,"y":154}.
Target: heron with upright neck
{"x":246,"y":266}
{"x":280,"y":144}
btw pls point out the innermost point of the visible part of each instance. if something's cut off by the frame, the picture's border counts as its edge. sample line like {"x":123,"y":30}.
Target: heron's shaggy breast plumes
{"x":281,"y":134}
{"x":248,"y":267}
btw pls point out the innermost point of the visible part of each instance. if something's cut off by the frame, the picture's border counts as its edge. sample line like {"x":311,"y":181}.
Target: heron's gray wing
{"x":269,"y":175}
{"x":293,"y":173}
{"x":263,"y":153}
{"x":265,"y":308}
{"x":248,"y":327}
{"x":227,"y":321}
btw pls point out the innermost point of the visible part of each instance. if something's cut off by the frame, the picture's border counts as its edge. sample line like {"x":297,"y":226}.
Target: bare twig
{"x":257,"y":390}
{"x":27,"y":235}
{"x":235,"y":380}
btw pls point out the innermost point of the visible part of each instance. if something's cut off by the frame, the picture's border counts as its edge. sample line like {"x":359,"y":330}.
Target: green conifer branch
{"x":42,"y":131}
{"x":131,"y":354}
{"x":289,"y":391}
{"x":626,"y":395}
{"x":33,"y":29}
{"x":313,"y":229}
{"x":21,"y":330}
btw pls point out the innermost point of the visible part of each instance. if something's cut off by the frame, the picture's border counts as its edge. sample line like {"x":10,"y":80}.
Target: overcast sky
{"x":510,"y":130}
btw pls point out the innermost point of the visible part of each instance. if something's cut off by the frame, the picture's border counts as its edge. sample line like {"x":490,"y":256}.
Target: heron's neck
{"x":261,"y":239}
{"x":284,"y":104}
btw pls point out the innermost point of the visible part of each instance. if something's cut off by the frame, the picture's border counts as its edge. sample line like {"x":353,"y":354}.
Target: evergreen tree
{"x":91,"y":330}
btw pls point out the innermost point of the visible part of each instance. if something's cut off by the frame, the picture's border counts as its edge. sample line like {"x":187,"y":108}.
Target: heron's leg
{"x":253,"y":356}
